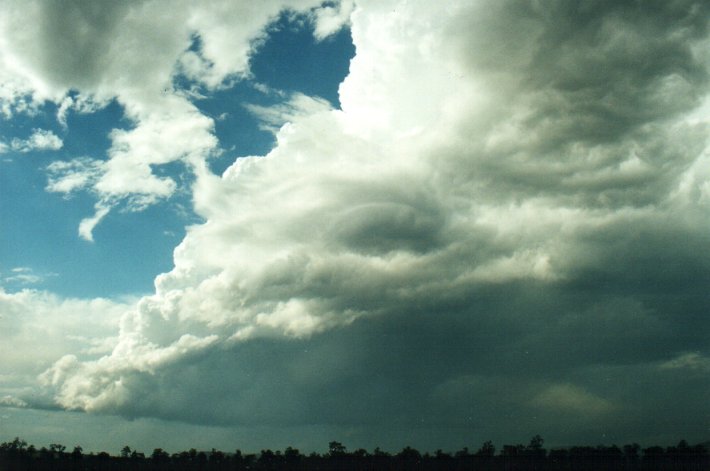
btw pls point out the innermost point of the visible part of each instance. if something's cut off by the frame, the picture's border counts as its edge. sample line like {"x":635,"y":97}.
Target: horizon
{"x":482,"y":449}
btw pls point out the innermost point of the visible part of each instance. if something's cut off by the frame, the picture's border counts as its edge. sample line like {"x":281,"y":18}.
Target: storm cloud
{"x":502,"y":231}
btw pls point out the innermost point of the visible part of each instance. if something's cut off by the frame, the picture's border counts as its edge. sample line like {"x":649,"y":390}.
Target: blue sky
{"x":40,"y":228}
{"x":383,"y":222}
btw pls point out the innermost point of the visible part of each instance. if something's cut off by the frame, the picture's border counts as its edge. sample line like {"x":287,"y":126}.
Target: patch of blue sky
{"x":131,"y":248}
{"x":288,"y":60}
{"x":237,"y":129}
{"x":34,"y":229}
{"x":22,"y":125}
{"x":87,"y":134}
{"x":38,"y":230}
{"x":291,"y":59}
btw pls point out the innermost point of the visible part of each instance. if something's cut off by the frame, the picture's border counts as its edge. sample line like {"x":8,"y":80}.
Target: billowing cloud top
{"x":510,"y":211}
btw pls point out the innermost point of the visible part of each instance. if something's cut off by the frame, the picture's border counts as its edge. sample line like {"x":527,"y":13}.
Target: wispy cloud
{"x":298,"y":105}
{"x":25,"y":276}
{"x":70,"y":176}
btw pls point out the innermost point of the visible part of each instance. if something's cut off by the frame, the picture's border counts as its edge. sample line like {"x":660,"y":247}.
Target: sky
{"x":383,"y":222}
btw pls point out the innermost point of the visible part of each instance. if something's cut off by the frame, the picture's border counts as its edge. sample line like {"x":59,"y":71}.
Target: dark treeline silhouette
{"x":18,"y":455}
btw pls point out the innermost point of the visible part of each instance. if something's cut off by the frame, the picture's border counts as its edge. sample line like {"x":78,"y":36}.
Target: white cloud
{"x":40,"y":139}
{"x":23,"y":276}
{"x":273,"y":117}
{"x":84,"y":104}
{"x":87,"y":225}
{"x":63,"y":325}
{"x":70,"y":176}
{"x":330,"y":19}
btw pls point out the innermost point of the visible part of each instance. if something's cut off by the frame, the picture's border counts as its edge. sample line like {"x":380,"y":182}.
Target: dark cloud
{"x":504,"y":363}
{"x":77,"y":39}
{"x":581,"y":88}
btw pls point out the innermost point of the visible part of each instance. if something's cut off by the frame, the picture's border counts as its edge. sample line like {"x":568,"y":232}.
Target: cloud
{"x":86,"y":226}
{"x":70,"y":176}
{"x":64,"y":326}
{"x":330,"y":19}
{"x":566,"y":398}
{"x":39,"y":140}
{"x":23,"y":276}
{"x":273,"y":117}
{"x":506,"y":219}
{"x":79,"y":104}
{"x":82,"y":58}
{"x":9,"y":401}
{"x":692,"y":361}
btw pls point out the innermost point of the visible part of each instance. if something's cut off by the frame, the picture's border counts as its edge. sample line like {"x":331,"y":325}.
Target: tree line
{"x":18,"y":455}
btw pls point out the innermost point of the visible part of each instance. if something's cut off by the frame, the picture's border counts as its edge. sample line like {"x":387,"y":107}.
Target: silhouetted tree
{"x":159,"y":455}
{"x":14,"y":449}
{"x":267,"y":459}
{"x":77,"y":453}
{"x":487,"y":450}
{"x":336,"y":449}
{"x":17,"y":455}
{"x":535,"y":445}
{"x":57,"y":451}
{"x":409,"y":455}
{"x":558,"y":459}
{"x":45,"y":454}
{"x":441,"y":455}
{"x":631,"y":454}
{"x":512,"y":451}
{"x":379,"y":453}
{"x":292,"y":456}
{"x":534,"y":453}
{"x":360,"y":453}
{"x":462,"y":453}
{"x":238,"y":459}
{"x":653,"y":453}
{"x":126,"y":452}
{"x":216,"y":456}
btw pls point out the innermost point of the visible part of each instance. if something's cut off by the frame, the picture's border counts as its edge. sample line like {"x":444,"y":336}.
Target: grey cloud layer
{"x":501,"y":233}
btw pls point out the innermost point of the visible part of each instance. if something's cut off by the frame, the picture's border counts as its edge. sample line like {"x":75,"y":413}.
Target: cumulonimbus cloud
{"x":522,"y":172}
